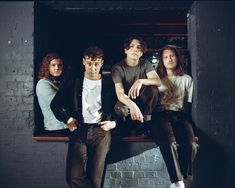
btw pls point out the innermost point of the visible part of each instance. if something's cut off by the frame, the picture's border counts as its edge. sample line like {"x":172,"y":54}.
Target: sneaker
{"x":181,"y":185}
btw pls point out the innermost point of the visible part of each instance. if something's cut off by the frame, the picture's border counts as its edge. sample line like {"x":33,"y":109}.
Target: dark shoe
{"x":143,"y":129}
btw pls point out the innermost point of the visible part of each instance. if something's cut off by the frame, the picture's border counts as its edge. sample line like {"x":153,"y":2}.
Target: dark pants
{"x":147,"y":101}
{"x":86,"y":156}
{"x":177,"y":143}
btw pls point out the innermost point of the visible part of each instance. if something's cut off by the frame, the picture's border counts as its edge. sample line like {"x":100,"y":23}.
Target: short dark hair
{"x":180,"y":67}
{"x":128,"y":41}
{"x":94,"y":53}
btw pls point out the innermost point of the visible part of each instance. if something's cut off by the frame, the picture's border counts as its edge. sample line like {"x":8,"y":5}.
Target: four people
{"x":50,"y":75}
{"x":82,"y":105}
{"x":171,"y":127}
{"x":85,"y":104}
{"x":136,"y":83}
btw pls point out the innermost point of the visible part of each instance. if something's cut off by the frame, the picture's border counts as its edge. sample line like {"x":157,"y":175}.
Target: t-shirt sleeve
{"x":117,"y":74}
{"x":148,"y":67}
{"x":189,"y":90}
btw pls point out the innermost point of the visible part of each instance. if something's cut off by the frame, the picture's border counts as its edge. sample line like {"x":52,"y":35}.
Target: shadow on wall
{"x":210,"y":164}
{"x":123,"y":150}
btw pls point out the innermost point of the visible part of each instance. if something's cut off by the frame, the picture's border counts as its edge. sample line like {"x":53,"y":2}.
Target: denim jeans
{"x":86,"y":157}
{"x":177,"y":143}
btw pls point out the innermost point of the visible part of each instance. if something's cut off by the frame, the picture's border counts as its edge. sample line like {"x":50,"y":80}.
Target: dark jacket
{"x":68,"y":100}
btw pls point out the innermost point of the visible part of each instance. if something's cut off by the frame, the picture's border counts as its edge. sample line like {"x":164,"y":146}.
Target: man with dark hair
{"x":86,"y":106}
{"x":136,"y":83}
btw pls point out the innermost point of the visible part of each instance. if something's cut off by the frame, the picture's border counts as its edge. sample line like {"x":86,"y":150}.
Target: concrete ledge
{"x":65,"y":138}
{"x":51,"y":138}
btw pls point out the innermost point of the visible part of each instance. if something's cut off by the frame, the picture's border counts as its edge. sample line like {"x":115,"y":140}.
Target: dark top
{"x":68,"y":100}
{"x":122,"y":73}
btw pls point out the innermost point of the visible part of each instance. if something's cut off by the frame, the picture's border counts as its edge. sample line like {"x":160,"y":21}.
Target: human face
{"x":169,"y":59}
{"x":56,"y":67}
{"x":134,"y":52}
{"x":92,"y":67}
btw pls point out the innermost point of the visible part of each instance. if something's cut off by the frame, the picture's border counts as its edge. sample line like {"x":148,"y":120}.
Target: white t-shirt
{"x":174,"y":91}
{"x":91,"y":101}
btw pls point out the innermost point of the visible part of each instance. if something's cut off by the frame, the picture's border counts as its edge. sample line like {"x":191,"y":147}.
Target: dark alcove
{"x":69,"y":28}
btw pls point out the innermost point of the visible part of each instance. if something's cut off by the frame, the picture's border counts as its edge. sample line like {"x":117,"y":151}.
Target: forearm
{"x":122,"y":97}
{"x":150,"y":81}
{"x":59,"y":112}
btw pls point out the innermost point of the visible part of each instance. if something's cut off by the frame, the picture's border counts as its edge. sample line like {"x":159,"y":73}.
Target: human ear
{"x":83,"y":61}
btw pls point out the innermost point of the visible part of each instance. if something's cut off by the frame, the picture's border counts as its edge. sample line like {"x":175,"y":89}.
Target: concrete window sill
{"x":64,"y":138}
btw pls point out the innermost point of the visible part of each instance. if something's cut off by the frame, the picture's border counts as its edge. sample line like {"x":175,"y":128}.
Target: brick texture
{"x":145,"y":170}
{"x":26,"y":163}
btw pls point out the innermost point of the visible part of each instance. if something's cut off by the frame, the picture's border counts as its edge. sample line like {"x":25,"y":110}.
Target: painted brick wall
{"x":146,"y":170}
{"x":211,"y":40}
{"x":26,"y":163}
{"x":23,"y":162}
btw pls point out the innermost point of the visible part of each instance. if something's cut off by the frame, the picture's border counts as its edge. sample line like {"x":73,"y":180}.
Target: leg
{"x":163,"y":134}
{"x":187,"y":147}
{"x":76,"y":161}
{"x":126,"y":125}
{"x":148,"y":100}
{"x":99,"y":145}
{"x":121,"y":110}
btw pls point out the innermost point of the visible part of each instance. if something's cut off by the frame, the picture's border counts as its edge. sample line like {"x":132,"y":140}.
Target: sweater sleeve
{"x":109,"y":99}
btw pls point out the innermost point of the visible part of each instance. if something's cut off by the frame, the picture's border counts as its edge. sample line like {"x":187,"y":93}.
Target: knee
{"x":121,"y":109}
{"x":153,"y":90}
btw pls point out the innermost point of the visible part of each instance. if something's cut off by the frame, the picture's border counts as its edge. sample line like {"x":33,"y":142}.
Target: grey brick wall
{"x":211,"y":41}
{"x":26,"y":163}
{"x":146,"y":170}
{"x":23,"y":162}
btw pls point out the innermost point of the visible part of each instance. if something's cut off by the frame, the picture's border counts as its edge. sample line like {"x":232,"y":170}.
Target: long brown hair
{"x":44,"y":68}
{"x":180,"y":67}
